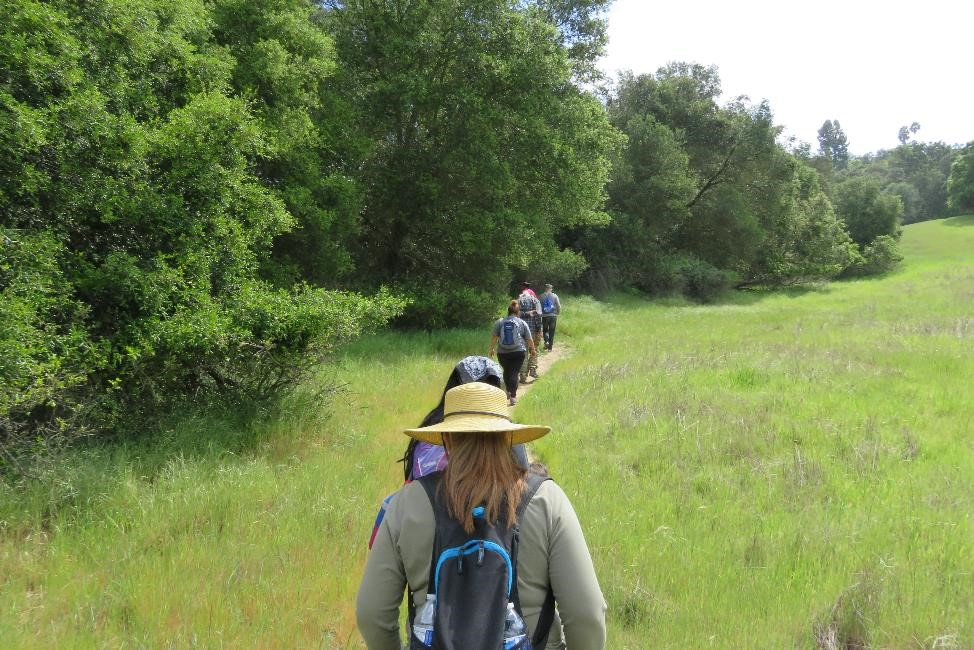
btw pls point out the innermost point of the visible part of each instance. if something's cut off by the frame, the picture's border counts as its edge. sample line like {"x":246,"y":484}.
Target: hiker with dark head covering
{"x":423,"y":458}
{"x":511,"y":339}
{"x":483,"y":550}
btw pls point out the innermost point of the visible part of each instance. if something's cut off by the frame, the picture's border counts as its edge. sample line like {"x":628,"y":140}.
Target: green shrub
{"x":560,"y":268}
{"x":45,"y":352}
{"x":435,"y":307}
{"x":138,"y":214}
{"x":879,"y":256}
{"x":960,"y":183}
{"x":703,"y":281}
{"x":867,"y":210}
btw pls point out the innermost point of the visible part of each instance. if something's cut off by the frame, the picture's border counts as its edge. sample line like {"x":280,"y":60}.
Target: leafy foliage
{"x":867,"y":210}
{"x":139,"y":211}
{"x":833,"y":144}
{"x":703,"y":197}
{"x":916,"y":172}
{"x":878,"y":256}
{"x":960,"y":185}
{"x":481,"y":147}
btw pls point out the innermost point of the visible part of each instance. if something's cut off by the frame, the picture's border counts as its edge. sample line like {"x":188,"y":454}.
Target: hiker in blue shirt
{"x":550,"y":308}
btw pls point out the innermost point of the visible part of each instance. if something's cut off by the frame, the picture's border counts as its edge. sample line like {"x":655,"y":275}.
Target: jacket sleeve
{"x":380,"y":594}
{"x":573,"y":580}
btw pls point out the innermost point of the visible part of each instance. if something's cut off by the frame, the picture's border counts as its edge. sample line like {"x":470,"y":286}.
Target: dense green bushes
{"x":139,"y":211}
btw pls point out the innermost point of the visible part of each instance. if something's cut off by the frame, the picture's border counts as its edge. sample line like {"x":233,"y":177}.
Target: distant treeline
{"x":201,"y":197}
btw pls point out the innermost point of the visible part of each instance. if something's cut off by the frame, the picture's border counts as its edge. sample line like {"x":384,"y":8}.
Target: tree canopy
{"x":960,"y":184}
{"x":201,"y":198}
{"x":703,"y":196}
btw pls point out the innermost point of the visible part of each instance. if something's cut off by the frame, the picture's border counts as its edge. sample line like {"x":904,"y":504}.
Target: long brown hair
{"x":482,"y":472}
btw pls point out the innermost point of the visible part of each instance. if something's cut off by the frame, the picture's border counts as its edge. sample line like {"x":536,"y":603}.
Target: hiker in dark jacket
{"x":552,"y":554}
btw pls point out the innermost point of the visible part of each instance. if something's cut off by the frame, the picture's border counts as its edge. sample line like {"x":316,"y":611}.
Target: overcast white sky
{"x":874,"y":66}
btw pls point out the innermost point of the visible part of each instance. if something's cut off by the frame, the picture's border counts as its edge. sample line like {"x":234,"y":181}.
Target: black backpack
{"x":474,"y":576}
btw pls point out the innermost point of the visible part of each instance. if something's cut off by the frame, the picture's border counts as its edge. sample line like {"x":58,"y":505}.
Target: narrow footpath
{"x":545,"y":361}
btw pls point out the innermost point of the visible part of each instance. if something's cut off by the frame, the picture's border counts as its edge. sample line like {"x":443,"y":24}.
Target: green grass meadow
{"x":780,"y":470}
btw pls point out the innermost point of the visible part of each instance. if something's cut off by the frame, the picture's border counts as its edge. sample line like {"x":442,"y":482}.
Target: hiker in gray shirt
{"x":550,"y":308}
{"x":511,"y":339}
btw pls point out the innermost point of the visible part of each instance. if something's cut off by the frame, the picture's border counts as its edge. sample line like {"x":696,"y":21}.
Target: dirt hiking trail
{"x":545,"y":361}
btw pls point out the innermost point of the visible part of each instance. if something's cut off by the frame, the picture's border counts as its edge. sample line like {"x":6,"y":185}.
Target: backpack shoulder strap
{"x":430,"y":483}
{"x":539,"y":640}
{"x":532,"y":481}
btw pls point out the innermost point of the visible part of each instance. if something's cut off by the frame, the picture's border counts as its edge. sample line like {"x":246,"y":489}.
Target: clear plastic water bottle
{"x":423,"y":621}
{"x":515,"y":631}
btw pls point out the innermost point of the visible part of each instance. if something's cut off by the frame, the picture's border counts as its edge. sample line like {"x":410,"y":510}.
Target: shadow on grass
{"x":624,"y":301}
{"x":753,"y":295}
{"x":402,"y":345}
{"x":53,"y":483}
{"x":962,"y":221}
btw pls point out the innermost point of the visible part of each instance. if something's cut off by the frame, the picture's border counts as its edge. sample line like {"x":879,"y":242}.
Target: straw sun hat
{"x":477,"y":408}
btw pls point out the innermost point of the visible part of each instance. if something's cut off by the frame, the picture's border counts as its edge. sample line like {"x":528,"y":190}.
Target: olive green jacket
{"x":552,"y":550}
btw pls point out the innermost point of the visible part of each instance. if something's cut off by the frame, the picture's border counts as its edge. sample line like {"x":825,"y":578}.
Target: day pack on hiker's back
{"x":547,"y":305}
{"x":472,"y":601}
{"x":507,"y":331}
{"x":525,"y":304}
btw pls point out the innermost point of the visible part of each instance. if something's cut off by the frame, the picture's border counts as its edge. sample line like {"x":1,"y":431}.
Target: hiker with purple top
{"x":422,"y":458}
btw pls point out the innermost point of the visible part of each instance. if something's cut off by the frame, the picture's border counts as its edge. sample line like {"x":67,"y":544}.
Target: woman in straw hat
{"x":422,"y":458}
{"x":552,"y":555}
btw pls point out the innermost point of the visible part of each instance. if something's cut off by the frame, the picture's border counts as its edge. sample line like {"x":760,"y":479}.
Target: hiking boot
{"x":533,"y":373}
{"x":512,"y":401}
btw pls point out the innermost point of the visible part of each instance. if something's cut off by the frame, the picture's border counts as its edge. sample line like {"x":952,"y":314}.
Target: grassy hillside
{"x":779,"y":470}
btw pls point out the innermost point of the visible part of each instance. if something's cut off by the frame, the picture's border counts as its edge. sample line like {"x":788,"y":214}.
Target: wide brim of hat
{"x":520,"y":433}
